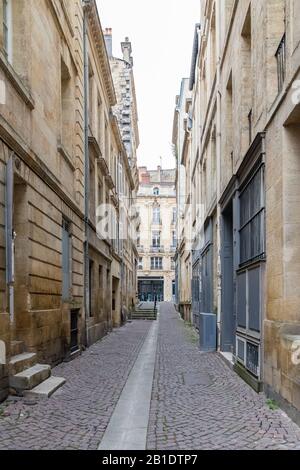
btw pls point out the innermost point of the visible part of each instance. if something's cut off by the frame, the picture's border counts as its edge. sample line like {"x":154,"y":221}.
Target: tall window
{"x":156,"y":215}
{"x":252,"y":219}
{"x":174,"y":216}
{"x":99,"y":117}
{"x":67,"y":117}
{"x":156,"y":263}
{"x":7,"y":29}
{"x":174,"y":239}
{"x":156,"y":238}
{"x":91,"y":287}
{"x":281,"y":62}
{"x":156,"y":191}
{"x":140,"y":265}
{"x":106,"y":156}
{"x":66,"y":260}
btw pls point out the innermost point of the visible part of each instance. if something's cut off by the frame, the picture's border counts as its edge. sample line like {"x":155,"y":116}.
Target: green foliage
{"x":272,"y":404}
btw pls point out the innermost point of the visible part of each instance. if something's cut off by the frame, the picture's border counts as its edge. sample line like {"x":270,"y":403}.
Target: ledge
{"x":95,"y":146}
{"x":109,"y":182}
{"x":103,"y":166}
{"x":15,"y":80}
{"x":61,"y":149}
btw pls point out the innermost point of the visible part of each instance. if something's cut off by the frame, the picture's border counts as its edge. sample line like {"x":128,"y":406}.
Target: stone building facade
{"x":42,"y":153}
{"x":156,"y":238}
{"x":126,"y":116}
{"x":244,"y":164}
{"x":180,"y":141}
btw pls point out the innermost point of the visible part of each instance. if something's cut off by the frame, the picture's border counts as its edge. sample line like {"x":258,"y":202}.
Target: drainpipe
{"x":9,"y":232}
{"x":86,"y":169}
{"x":218,"y":148}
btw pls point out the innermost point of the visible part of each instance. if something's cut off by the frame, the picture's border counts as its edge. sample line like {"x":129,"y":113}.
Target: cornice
{"x":95,"y":29}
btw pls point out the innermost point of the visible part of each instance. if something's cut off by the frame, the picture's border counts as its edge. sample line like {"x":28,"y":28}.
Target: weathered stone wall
{"x":251,"y":102}
{"x":48,"y":179}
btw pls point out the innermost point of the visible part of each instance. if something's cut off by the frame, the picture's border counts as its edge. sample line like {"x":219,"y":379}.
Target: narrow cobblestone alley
{"x":197,"y":401}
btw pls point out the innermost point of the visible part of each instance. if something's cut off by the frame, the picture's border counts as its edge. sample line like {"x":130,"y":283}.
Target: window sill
{"x":66,"y":156}
{"x":16,"y":82}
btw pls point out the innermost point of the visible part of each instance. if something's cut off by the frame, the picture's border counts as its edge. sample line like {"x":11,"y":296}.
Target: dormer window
{"x":156,"y":191}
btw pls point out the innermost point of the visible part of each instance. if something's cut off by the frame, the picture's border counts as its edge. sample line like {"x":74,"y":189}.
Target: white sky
{"x":161,"y":32}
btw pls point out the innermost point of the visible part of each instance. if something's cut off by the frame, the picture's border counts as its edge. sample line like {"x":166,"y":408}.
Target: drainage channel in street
{"x":127,"y":429}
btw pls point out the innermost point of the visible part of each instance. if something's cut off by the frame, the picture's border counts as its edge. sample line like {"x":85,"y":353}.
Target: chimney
{"x":108,"y":41}
{"x":127,"y":50}
{"x":144,"y":176}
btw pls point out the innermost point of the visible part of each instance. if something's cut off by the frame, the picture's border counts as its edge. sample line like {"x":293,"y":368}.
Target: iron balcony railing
{"x":157,"y":249}
{"x":281,"y":62}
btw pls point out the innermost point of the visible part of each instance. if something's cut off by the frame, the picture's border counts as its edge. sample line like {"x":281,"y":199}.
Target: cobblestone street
{"x":197,"y":401}
{"x":76,"y":416}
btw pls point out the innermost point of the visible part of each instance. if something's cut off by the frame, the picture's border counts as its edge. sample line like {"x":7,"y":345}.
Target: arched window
{"x":156,"y":191}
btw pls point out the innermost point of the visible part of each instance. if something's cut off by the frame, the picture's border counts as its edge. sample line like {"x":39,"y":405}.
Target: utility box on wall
{"x":208,"y":332}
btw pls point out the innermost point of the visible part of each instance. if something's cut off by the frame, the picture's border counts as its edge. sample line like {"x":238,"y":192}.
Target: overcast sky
{"x":161,"y":32}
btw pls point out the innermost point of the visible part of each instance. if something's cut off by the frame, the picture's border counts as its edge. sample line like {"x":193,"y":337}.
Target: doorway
{"x":149,"y":290}
{"x":228,"y":316}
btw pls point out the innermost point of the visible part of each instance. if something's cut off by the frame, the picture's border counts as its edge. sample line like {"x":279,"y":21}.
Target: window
{"x":156,"y":215}
{"x":156,"y":191}
{"x":91,"y":287}
{"x":281,"y":62}
{"x":140,"y":265}
{"x":7,"y":29}
{"x":67,"y":106}
{"x":156,"y":239}
{"x":174,"y":216}
{"x":99,"y":114}
{"x":106,"y":156}
{"x":252,"y":219}
{"x":66,"y":260}
{"x":156,"y":263}
{"x":174,"y":239}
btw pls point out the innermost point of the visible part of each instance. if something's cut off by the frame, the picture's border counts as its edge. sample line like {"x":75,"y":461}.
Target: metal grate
{"x":74,"y":330}
{"x":281,"y":62}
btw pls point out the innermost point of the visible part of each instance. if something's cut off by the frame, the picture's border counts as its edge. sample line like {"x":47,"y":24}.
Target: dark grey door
{"x":227,"y":317}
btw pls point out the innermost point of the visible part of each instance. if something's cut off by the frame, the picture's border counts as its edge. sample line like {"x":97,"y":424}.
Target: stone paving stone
{"x":214,"y":408}
{"x":76,"y":416}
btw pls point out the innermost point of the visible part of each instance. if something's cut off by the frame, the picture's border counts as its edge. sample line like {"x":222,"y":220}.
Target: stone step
{"x":144,"y":312}
{"x":21,"y":362}
{"x":16,"y":348}
{"x":30,"y":378}
{"x":46,"y":388}
{"x":142,"y":318}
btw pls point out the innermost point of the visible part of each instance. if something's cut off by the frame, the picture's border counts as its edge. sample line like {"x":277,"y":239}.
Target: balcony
{"x":156,"y":222}
{"x":157,"y":249}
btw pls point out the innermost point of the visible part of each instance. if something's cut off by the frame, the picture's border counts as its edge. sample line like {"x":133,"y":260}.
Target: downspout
{"x":10,"y":236}
{"x":86,"y":169}
{"x":218,"y":149}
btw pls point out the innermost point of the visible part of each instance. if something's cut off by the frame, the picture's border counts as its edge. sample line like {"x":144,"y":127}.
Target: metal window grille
{"x":252,"y":219}
{"x":281,"y":62}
